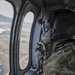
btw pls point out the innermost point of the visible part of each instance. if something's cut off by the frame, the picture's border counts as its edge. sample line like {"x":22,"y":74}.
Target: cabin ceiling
{"x":54,"y":2}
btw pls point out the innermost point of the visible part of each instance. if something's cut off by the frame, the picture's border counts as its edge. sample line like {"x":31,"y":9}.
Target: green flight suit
{"x":61,"y":62}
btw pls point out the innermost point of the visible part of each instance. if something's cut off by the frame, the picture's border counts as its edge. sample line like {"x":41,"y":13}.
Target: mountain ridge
{"x":5,"y":18}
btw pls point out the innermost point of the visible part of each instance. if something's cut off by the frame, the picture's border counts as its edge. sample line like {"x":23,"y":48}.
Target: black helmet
{"x":62,"y":24}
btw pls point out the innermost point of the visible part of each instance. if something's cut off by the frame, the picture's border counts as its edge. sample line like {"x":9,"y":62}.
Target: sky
{"x":6,"y":9}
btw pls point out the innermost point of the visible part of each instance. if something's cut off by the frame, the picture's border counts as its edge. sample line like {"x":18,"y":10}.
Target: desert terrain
{"x":5,"y":29}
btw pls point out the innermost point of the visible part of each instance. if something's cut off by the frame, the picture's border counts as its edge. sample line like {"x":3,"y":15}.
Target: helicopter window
{"x":24,"y":40}
{"x":6,"y":16}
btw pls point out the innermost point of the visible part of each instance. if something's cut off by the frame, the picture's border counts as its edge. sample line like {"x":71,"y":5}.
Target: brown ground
{"x":4,"y":48}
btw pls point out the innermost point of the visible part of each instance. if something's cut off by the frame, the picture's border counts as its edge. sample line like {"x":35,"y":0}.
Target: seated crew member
{"x":62,"y":59}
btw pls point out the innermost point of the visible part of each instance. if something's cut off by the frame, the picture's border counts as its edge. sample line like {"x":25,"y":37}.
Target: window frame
{"x":25,"y":9}
{"x":15,"y":36}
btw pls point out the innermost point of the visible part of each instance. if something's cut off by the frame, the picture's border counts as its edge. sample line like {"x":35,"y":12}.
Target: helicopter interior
{"x":39,"y":44}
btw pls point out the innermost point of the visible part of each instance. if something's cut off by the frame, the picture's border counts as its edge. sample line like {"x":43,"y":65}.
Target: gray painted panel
{"x":36,"y":37}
